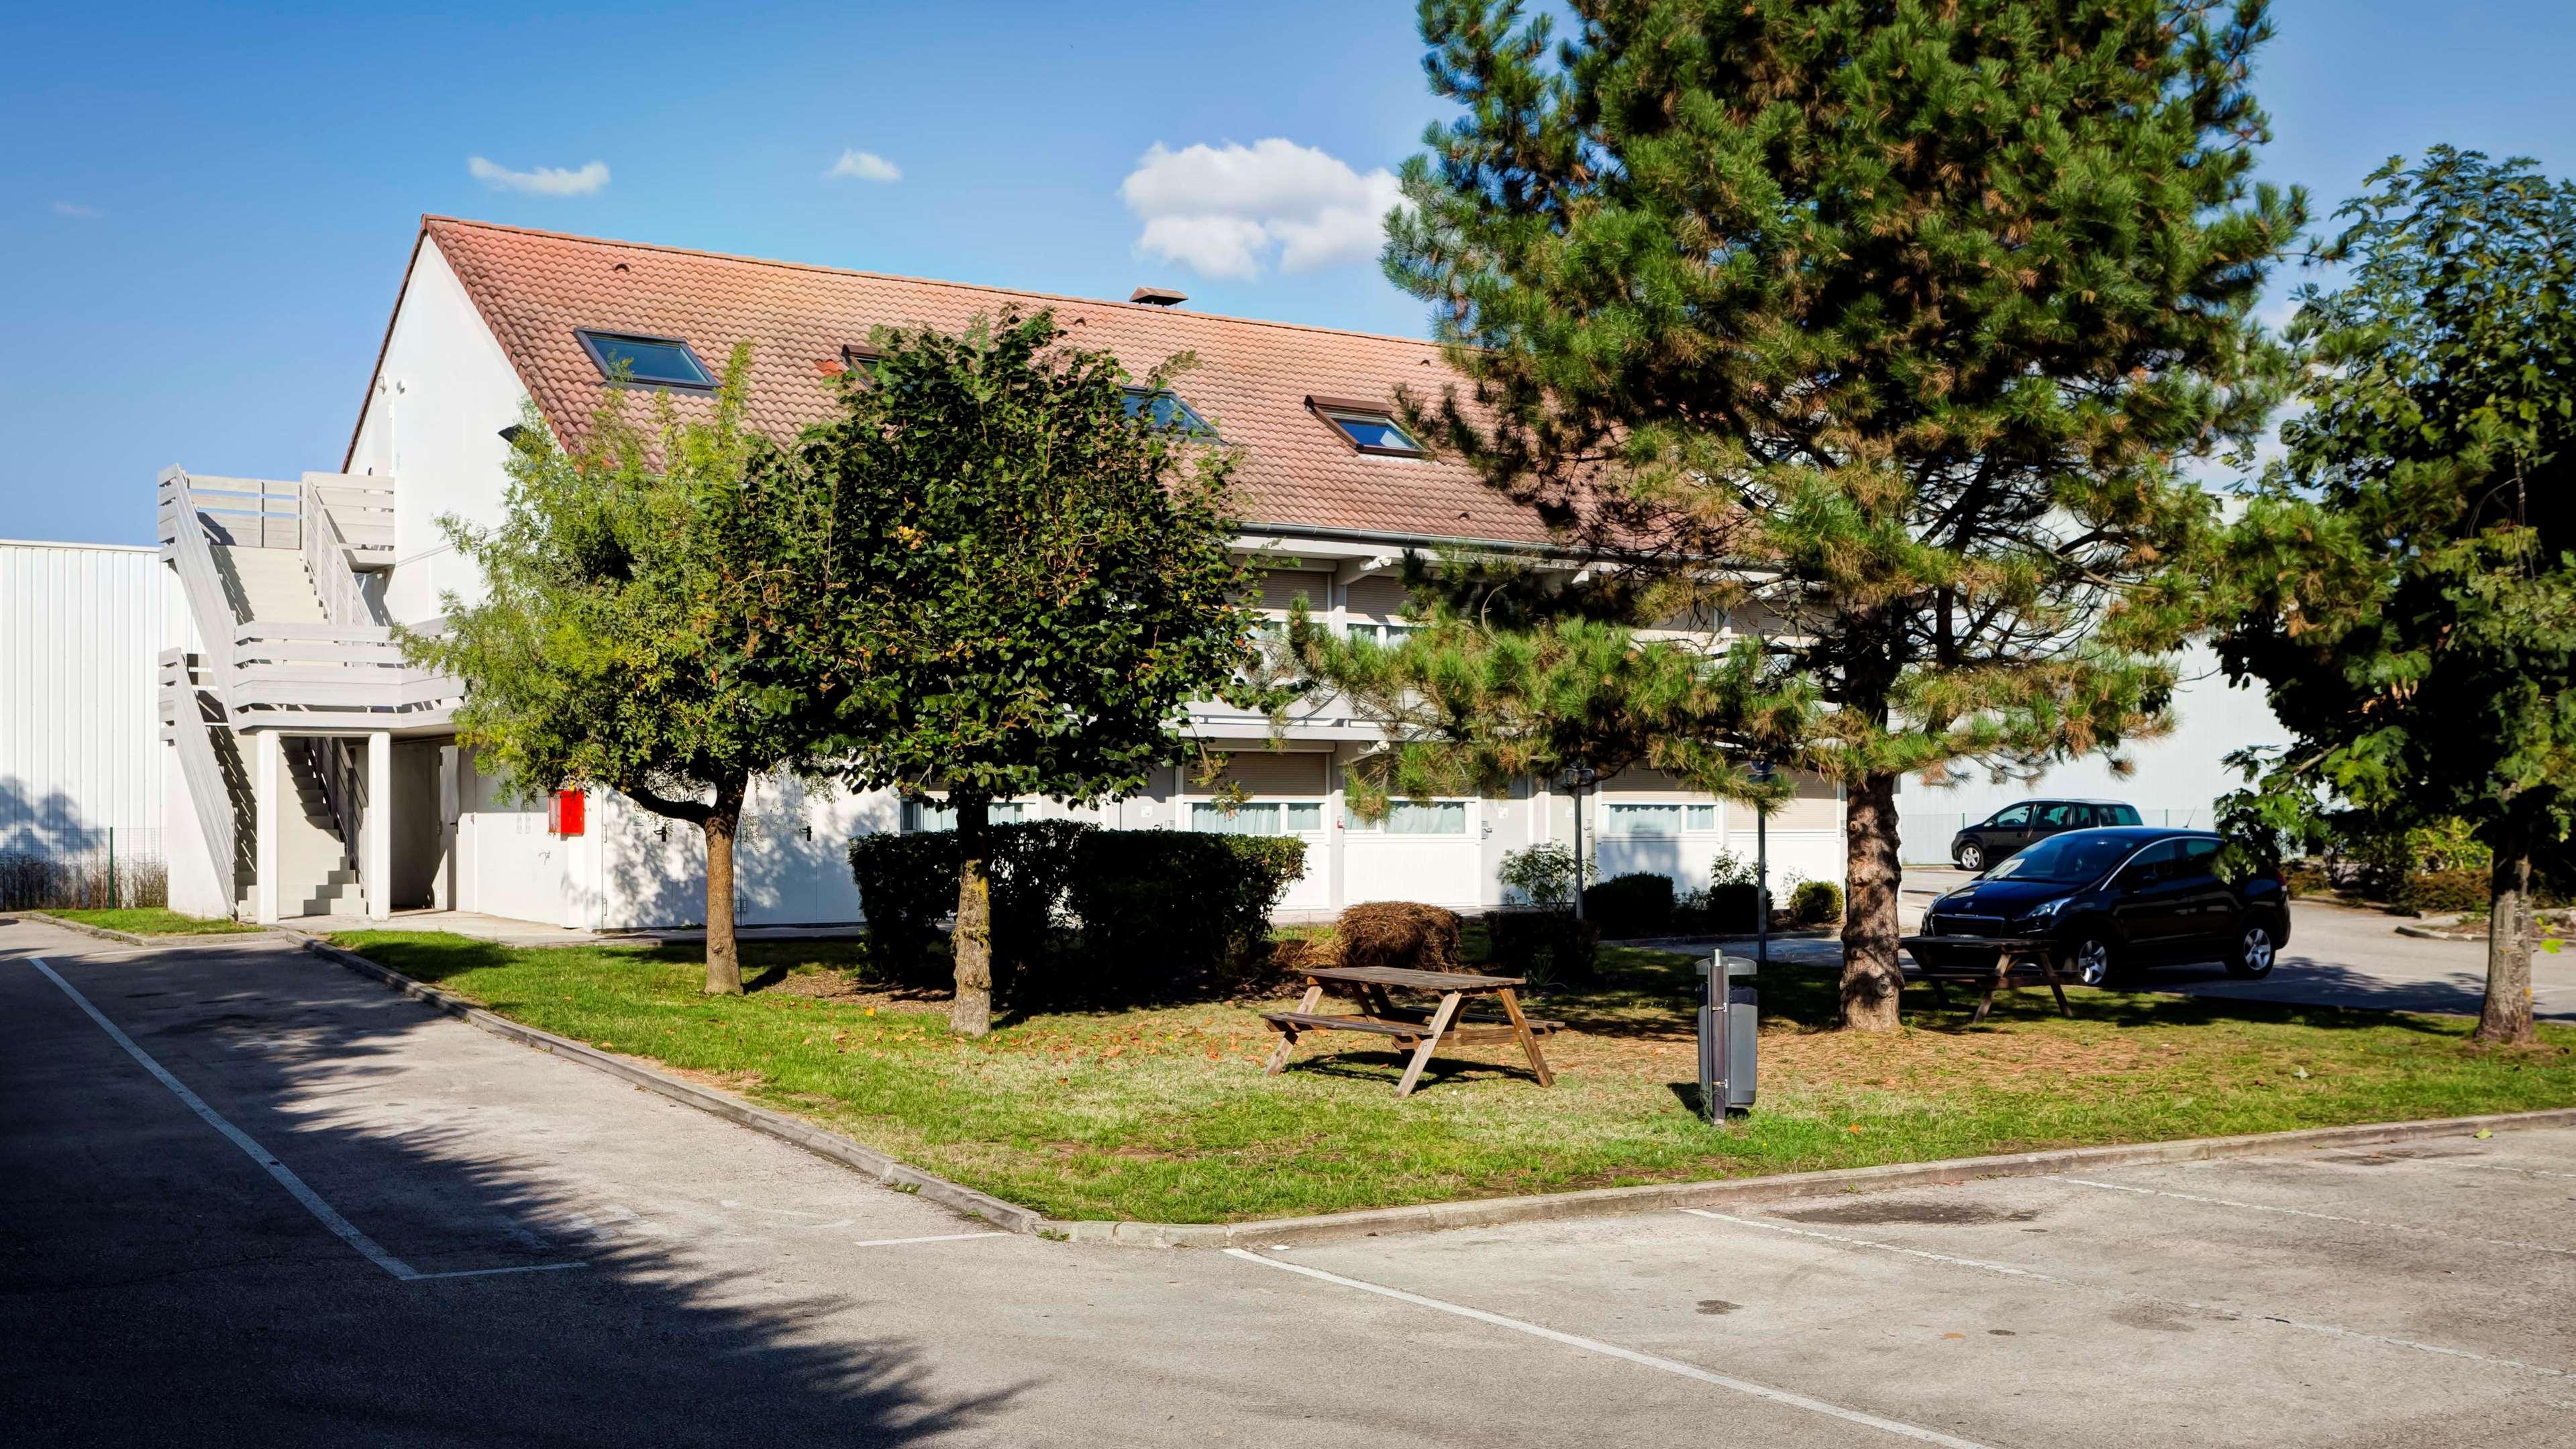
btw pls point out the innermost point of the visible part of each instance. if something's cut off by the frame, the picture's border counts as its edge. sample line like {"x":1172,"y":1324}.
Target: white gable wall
{"x":433,"y":424}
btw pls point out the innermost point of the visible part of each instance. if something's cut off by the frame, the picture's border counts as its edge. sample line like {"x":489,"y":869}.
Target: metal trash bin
{"x":1730,"y":1023}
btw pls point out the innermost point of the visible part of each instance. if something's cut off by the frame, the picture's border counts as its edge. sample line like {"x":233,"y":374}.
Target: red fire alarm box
{"x":564,"y":812}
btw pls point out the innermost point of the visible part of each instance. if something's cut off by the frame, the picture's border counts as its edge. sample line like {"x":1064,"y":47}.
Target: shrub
{"x":1543,"y":874}
{"x":1162,"y":907}
{"x":1543,"y":946}
{"x":908,"y":885}
{"x":1401,"y":934}
{"x":2432,"y":892}
{"x":1729,"y":909}
{"x":1631,"y":905}
{"x":1816,"y":902}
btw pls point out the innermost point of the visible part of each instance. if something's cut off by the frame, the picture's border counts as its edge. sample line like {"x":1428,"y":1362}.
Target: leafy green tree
{"x":2404,"y":578}
{"x":634,"y":631}
{"x":1031,"y":580}
{"x":1884,"y":330}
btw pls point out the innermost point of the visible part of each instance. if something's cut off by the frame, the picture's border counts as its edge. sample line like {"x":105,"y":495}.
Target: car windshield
{"x":2075,"y":857}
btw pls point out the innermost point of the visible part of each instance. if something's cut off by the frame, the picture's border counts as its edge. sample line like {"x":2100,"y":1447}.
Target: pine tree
{"x":1884,"y":328}
{"x":2406,"y":577}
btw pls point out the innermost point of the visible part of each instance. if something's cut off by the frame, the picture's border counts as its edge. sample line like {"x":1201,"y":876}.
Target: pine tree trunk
{"x":723,"y":823}
{"x":2506,"y":1018}
{"x":972,"y":1014}
{"x":1871,"y":976}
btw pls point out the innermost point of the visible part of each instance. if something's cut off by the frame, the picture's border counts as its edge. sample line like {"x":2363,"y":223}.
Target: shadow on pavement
{"x":157,"y":1286}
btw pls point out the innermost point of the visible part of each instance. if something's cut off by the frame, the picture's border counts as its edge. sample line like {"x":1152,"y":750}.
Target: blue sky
{"x":206,"y":211}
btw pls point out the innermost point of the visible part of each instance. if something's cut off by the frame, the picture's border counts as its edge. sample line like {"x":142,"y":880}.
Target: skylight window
{"x":1167,"y":411}
{"x":648,"y":361}
{"x":1367,"y":428}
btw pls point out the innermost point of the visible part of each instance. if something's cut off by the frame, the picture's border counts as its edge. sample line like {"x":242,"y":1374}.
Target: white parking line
{"x":295,"y":1186}
{"x":2210,"y":1309}
{"x":933,"y":1238}
{"x":1612,"y":1350}
{"x":2324,"y":1217}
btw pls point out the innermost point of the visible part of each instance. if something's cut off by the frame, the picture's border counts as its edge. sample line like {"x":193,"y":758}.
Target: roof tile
{"x":1253,"y":377}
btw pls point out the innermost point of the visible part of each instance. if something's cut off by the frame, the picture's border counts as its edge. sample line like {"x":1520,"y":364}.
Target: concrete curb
{"x":102,"y":932}
{"x":1425,"y":1217}
{"x":1658,"y":1197}
{"x":830,"y":1145}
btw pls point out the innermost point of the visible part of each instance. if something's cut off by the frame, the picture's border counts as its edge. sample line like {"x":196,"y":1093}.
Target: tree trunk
{"x":2506,"y":1018}
{"x":972,"y":1014}
{"x":723,"y":823}
{"x":1871,"y":976}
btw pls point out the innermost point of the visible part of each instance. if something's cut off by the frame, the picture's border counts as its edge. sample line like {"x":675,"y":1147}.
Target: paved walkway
{"x":256,"y":1199}
{"x":512,"y":932}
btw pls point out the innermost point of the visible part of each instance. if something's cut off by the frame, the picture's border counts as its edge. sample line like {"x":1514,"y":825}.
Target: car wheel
{"x":1972,"y":856}
{"x":2092,"y":961}
{"x":2255,"y":953}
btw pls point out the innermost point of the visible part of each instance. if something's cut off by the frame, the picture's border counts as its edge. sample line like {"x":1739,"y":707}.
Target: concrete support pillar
{"x":268,"y":779}
{"x":376,"y":829}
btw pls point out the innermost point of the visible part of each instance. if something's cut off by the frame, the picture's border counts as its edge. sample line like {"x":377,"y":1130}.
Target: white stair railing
{"x":183,"y":716}
{"x":326,"y":557}
{"x":184,"y":544}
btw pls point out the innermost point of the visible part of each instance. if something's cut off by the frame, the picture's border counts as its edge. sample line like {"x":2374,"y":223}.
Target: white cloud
{"x":544,"y":181}
{"x":74,"y":208}
{"x":864,"y":165}
{"x":1225,"y":210}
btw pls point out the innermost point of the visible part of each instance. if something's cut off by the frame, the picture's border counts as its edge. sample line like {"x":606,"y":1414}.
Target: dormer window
{"x":1167,"y":410}
{"x":1367,"y":427}
{"x":647,"y":361}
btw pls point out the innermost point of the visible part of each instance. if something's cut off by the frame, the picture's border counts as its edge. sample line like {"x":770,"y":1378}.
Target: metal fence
{"x":1924,"y":837}
{"x":105,"y":870}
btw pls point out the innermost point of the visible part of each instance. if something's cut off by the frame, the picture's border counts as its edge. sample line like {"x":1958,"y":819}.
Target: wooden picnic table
{"x":1422,"y":1028}
{"x":2008,"y":951}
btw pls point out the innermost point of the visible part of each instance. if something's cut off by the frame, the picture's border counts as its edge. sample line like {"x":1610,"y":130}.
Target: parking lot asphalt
{"x":257,"y":1199}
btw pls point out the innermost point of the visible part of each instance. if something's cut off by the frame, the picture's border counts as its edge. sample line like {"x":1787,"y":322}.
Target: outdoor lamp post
{"x":1578,"y":778}
{"x":1762,"y":772}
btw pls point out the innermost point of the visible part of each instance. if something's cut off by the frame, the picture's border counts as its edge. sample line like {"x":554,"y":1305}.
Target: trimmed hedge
{"x":1816,"y":902}
{"x":1153,"y":907}
{"x":1721,"y":910}
{"x":1631,"y":905}
{"x":1162,"y":907}
{"x":2433,"y":892}
{"x":1546,"y":947}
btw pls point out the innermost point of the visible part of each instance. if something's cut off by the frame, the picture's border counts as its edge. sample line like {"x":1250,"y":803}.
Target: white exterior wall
{"x":2177,"y":780}
{"x":433,"y":424}
{"x":81,"y":629}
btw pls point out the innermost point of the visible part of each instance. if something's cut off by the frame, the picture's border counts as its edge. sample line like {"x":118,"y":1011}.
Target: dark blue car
{"x":2115,"y":901}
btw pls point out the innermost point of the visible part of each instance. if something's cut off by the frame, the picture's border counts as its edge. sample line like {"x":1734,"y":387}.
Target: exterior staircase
{"x":288,"y":640}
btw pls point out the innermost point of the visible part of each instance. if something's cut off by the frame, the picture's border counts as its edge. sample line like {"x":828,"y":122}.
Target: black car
{"x":2117,"y":900}
{"x":2007,"y":831}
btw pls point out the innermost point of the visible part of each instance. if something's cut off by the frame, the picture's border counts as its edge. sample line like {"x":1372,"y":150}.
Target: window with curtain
{"x":1257,"y":817}
{"x":924,"y":816}
{"x":1415,"y":817}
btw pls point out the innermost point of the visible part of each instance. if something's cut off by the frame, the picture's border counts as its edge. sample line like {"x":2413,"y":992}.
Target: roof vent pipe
{"x":1158,"y":296}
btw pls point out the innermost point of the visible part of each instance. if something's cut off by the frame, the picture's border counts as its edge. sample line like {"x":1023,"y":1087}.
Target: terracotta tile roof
{"x":534,"y":288}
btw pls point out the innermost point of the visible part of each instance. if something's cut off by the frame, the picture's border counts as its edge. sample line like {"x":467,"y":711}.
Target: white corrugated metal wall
{"x":80,"y":637}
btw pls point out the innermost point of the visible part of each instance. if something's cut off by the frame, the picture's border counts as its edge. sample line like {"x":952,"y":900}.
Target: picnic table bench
{"x":1935,"y":966}
{"x":1422,"y":1028}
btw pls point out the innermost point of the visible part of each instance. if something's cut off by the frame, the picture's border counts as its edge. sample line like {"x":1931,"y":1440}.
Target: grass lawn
{"x":153,"y":921}
{"x":1163,"y":1114}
